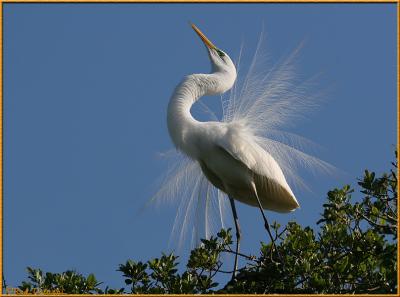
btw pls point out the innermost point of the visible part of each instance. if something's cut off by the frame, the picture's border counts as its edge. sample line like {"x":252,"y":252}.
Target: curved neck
{"x":181,"y":123}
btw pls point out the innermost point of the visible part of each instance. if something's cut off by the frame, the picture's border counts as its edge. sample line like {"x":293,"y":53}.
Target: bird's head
{"x":220,"y":61}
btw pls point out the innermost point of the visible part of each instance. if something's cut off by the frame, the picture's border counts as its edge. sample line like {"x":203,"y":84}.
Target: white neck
{"x":181,"y":124}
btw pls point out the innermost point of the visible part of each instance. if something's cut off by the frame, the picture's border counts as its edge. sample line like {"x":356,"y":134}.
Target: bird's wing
{"x":270,"y":157}
{"x":241,"y":145}
{"x":237,"y":143}
{"x":265,"y":173}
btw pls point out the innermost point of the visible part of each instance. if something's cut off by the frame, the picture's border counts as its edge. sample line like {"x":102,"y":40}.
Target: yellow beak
{"x":206,"y":41}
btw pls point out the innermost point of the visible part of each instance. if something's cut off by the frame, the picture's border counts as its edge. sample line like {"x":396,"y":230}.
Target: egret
{"x":231,"y":156}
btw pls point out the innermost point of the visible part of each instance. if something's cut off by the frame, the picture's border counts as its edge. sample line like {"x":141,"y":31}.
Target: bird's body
{"x":226,"y":152}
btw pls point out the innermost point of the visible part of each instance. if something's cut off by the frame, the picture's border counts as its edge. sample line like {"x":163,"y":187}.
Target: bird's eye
{"x":220,"y":53}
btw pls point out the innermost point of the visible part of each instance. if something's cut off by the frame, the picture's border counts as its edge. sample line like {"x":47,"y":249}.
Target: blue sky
{"x":86,"y":88}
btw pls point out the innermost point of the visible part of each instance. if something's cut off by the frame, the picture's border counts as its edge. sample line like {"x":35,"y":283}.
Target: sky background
{"x":86,"y":88}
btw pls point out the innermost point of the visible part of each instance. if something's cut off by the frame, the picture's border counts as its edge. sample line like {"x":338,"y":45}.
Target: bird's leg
{"x":238,"y":235}
{"x":266,"y":225}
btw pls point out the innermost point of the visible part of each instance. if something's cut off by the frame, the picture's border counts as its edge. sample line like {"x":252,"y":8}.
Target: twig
{"x":239,"y":254}
{"x":230,"y":272}
{"x":375,"y":224}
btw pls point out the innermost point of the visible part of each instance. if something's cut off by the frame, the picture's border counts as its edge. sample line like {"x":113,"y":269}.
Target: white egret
{"x":233,"y":156}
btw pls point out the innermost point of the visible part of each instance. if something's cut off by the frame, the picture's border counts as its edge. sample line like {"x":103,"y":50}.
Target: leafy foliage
{"x":68,"y":282}
{"x":354,"y":251}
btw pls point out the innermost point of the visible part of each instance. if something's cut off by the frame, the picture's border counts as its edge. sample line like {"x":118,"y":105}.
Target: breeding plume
{"x":239,"y":158}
